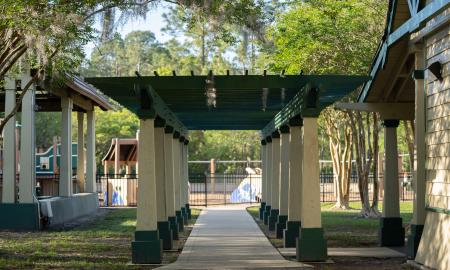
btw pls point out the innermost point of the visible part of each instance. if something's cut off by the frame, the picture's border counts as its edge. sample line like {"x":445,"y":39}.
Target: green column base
{"x":280,"y":226}
{"x":273,"y":218}
{"x":174,"y":227}
{"x":19,"y":216}
{"x":261,"y":210}
{"x":391,"y":232}
{"x":414,"y":240}
{"x":188,"y":210}
{"x":291,"y":233}
{"x":185,"y":215}
{"x":180,"y":221}
{"x":146,"y":248}
{"x":267,"y":214}
{"x":311,"y":245}
{"x":165,"y":234}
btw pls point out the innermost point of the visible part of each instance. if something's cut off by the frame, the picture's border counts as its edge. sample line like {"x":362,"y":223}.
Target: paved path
{"x":227,"y":237}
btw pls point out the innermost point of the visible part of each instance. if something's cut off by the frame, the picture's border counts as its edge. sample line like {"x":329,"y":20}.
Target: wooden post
{"x":391,"y":232}
{"x":80,"y":152}
{"x":9,"y":190}
{"x":27,"y":179}
{"x":419,"y":177}
{"x":65,"y":180}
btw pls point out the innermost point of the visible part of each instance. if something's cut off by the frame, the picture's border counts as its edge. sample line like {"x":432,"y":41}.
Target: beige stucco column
{"x":263,"y":180}
{"x":91,"y":166}
{"x":391,"y":232}
{"x":177,"y":178}
{"x":65,"y":178}
{"x":275,"y":183}
{"x":169,"y":181}
{"x":80,"y":152}
{"x":311,"y":245}
{"x":269,"y":180}
{"x":186,"y":173}
{"x":9,"y":189}
{"x":419,"y":179}
{"x":183,"y":180}
{"x":168,"y":172}
{"x":146,"y":247}
{"x":284,"y":181}
{"x":165,"y":232}
{"x":295,"y":184}
{"x":159,"y":170}
{"x":27,"y":180}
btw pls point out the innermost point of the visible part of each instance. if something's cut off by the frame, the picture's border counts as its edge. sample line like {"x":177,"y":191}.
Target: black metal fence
{"x":117,"y":189}
{"x":210,"y":189}
{"x":213,"y":189}
{"x":328,"y":191}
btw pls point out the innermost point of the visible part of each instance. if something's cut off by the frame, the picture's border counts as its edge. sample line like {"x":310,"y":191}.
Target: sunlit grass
{"x":102,"y":244}
{"x":344,"y":228}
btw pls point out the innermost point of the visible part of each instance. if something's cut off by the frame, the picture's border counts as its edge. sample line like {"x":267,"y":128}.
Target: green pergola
{"x":242,"y":102}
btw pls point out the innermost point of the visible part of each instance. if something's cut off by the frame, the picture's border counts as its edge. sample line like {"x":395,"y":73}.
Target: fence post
{"x":206,"y":191}
{"x":224,"y":189}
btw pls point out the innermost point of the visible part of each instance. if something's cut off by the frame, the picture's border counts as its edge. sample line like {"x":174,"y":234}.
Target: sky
{"x":153,"y":22}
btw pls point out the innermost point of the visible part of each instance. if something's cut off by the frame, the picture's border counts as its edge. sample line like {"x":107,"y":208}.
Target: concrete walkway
{"x":227,"y":237}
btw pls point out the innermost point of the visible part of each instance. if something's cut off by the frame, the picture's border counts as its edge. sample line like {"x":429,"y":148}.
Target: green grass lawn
{"x":102,"y":244}
{"x":343,"y":228}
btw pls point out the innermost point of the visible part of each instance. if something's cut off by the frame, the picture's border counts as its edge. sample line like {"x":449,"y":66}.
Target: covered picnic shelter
{"x":284,"y":108}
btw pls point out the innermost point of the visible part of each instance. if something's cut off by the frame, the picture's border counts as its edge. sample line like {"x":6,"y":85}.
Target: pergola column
{"x":284,"y":182}
{"x":65,"y":178}
{"x":165,"y":233}
{"x":391,"y":231}
{"x":9,"y":190}
{"x":292,"y":231}
{"x":169,"y":181}
{"x":80,"y":152}
{"x":90,"y":153}
{"x":419,"y":180}
{"x":269,"y":180}
{"x":182,"y":181}
{"x":311,"y":245}
{"x":146,"y":246}
{"x":186,"y":171}
{"x":263,"y":180}
{"x":274,"y":212}
{"x":176,"y":177}
{"x":27,"y":179}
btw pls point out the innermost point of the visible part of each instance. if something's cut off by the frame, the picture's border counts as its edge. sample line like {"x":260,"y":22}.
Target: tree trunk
{"x":363,"y":151}
{"x":340,"y":143}
{"x":409,"y":136}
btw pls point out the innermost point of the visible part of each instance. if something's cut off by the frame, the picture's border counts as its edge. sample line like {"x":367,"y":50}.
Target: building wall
{"x":434,"y":248}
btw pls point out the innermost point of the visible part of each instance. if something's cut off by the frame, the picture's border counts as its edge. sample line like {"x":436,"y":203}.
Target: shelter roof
{"x":393,"y":64}
{"x":48,"y":99}
{"x":242,"y":102}
{"x":128,"y":150}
